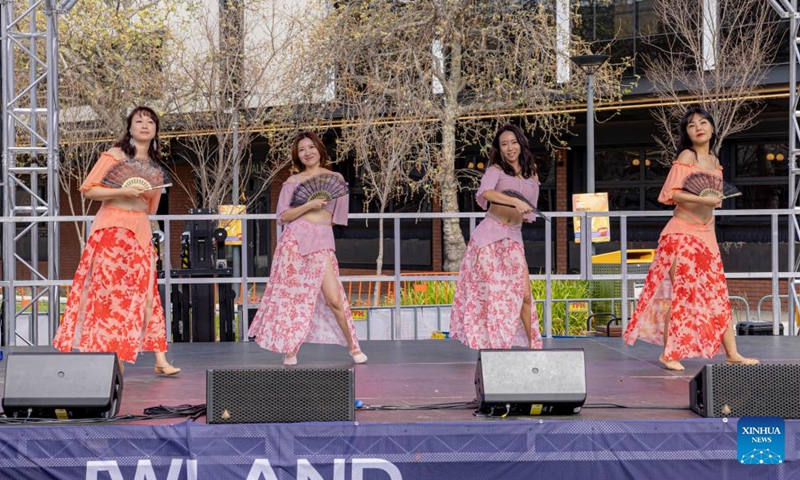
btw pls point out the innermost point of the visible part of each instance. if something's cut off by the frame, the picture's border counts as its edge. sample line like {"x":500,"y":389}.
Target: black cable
{"x":55,"y":421}
{"x":160,"y":412}
{"x":185,"y":410}
{"x":434,"y":406}
{"x":638,"y":407}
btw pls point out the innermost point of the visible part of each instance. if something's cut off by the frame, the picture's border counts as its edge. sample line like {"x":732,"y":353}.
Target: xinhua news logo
{"x":761,"y":440}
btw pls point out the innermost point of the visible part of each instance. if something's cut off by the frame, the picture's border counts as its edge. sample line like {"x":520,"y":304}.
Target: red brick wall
{"x":437,"y":255}
{"x":753,"y":291}
{"x":562,"y":205}
{"x":274,"y":194}
{"x":179,"y":204}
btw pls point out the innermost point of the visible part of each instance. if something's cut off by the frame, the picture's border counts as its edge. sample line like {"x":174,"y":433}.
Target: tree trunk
{"x":376,"y":296}
{"x":453,"y":239}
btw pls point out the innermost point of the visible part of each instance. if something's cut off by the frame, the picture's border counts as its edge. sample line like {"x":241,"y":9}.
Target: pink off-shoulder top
{"x":491,"y":229}
{"x":674,"y":182}
{"x":111,"y":216}
{"x":310,"y":236}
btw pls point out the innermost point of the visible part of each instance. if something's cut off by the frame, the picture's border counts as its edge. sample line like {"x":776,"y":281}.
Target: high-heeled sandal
{"x":358,"y":356}
{"x":167,"y":370}
{"x":287,"y":360}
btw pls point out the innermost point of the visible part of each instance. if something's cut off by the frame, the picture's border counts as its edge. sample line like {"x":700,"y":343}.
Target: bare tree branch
{"x":744,"y":35}
{"x":445,"y":64}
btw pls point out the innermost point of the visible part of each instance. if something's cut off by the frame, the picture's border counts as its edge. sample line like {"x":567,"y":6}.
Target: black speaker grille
{"x":755,"y":390}
{"x":280,"y":395}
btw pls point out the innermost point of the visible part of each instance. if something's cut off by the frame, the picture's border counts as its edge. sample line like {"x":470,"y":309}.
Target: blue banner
{"x":512,"y":449}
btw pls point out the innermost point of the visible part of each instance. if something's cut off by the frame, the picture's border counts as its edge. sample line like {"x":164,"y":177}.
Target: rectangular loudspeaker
{"x":280,"y":395}
{"x":62,"y":385}
{"x":765,"y":390}
{"x":531,"y":382}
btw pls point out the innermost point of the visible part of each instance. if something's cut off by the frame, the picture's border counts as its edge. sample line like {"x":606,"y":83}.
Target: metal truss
{"x":788,"y":9}
{"x":29,"y":41}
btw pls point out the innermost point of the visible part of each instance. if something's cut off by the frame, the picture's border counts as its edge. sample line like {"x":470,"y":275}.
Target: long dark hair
{"x":323,"y":152}
{"x":124,"y":143}
{"x":526,"y":162}
{"x":685,"y":143}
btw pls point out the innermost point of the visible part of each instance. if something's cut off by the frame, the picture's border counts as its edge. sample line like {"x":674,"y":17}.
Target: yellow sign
{"x":592,"y":202}
{"x":359,"y":314}
{"x":233,"y":227}
{"x":579,"y":306}
{"x":536,"y":409}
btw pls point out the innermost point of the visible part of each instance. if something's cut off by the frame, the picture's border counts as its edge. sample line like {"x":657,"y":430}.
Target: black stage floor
{"x":440,"y":371}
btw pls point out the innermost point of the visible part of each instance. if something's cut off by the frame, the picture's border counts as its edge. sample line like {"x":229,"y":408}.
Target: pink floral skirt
{"x":491,"y":286}
{"x":293,"y":309}
{"x":695,"y":303}
{"x":105,"y":309}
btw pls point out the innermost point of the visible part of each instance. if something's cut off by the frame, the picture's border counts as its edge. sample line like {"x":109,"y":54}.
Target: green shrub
{"x":561,"y":289}
{"x":424,"y":293}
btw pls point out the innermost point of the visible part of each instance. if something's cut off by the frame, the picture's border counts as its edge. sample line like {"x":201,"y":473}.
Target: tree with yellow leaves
{"x":110,"y":59}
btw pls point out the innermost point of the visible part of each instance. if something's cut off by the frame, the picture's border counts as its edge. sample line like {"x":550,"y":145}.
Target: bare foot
{"x":671,"y":364}
{"x":740,"y":360}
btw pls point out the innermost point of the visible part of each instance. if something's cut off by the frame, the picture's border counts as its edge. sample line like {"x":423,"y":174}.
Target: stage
{"x":656,"y":436}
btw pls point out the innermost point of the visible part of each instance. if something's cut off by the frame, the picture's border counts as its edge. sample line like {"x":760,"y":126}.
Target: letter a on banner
{"x":261,"y":469}
{"x":306,"y":471}
{"x":93,"y":468}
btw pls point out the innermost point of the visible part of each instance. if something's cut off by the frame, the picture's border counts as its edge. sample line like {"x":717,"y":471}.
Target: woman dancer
{"x":493,"y":307}
{"x":114,"y":305}
{"x":684,"y":305}
{"x":304,"y":300}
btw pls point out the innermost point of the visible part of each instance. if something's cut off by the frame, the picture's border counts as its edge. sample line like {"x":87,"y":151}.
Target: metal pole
{"x":776,"y":301}
{"x":590,"y":134}
{"x":244,"y":323}
{"x":7,"y":86}
{"x":793,"y":155}
{"x":235,"y":192}
{"x":548,"y":274}
{"x":238,"y":264}
{"x":53,"y":171}
{"x":398,"y":321}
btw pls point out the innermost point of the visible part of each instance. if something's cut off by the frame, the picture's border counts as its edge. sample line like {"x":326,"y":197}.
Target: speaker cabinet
{"x":764,"y":390}
{"x":62,"y":385}
{"x":530,"y":382}
{"x":280,"y":395}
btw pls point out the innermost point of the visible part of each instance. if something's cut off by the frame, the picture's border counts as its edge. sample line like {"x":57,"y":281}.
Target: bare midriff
{"x":505,"y":215}
{"x":132,"y":204}
{"x":694,"y":212}
{"x":319,"y":215}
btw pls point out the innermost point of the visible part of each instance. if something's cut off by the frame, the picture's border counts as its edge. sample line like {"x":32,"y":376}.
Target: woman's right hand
{"x":712,"y":200}
{"x":131,"y":192}
{"x":316,"y":204}
{"x":522,"y":207}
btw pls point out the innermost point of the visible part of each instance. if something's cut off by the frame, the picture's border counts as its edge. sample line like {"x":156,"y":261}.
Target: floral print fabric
{"x":492,"y":284}
{"x":293,"y":309}
{"x":105,"y":309}
{"x":694,"y":304}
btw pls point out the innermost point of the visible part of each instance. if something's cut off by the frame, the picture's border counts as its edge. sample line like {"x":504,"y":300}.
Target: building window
{"x":632,"y":177}
{"x":760,"y":171}
{"x":632,"y":29}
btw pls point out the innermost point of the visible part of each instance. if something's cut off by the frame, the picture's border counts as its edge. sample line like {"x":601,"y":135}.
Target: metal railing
{"x":244,"y":281}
